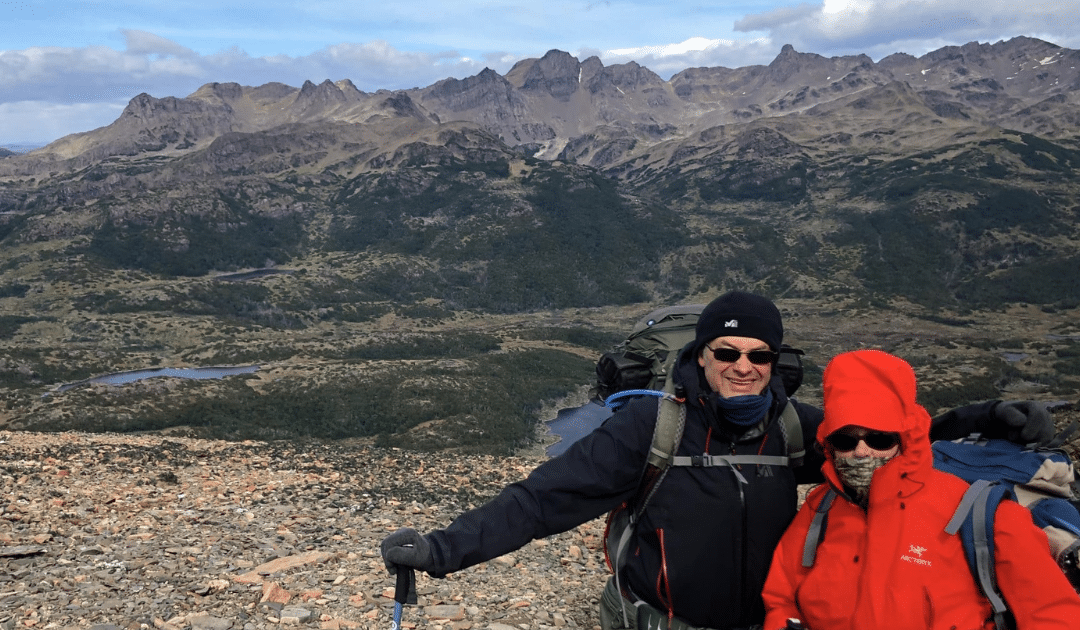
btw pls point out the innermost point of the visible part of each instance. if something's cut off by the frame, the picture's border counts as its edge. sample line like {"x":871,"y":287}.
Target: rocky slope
{"x":126,"y":532}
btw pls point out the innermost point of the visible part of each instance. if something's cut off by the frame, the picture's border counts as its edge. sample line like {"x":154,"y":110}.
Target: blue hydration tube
{"x":613,"y":401}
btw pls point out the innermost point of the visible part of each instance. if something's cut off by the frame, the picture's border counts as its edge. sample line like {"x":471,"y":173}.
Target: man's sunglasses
{"x":731,"y":355}
{"x":877,"y":440}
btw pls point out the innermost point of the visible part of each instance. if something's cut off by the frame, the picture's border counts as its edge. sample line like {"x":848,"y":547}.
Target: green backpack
{"x":644,"y":358}
{"x":641,"y":361}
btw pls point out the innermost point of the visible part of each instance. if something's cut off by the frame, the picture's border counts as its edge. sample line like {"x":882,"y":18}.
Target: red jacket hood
{"x":876,"y":390}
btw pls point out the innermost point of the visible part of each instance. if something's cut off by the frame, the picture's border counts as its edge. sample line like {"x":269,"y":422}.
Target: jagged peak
{"x":788,"y":55}
{"x":556,"y":55}
{"x":144,"y":105}
{"x":452,"y":86}
{"x":348,"y":87}
{"x":629,"y":76}
{"x":900,"y":57}
{"x":401,"y":104}
{"x":221,"y":91}
{"x":272,"y":91}
{"x":556,"y":73}
{"x":323,"y":92}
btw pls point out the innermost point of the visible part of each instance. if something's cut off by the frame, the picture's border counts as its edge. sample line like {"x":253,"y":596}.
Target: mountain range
{"x":946,"y":183}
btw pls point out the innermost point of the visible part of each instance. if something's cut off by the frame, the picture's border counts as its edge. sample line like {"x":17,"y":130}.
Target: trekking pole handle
{"x":404,"y":592}
{"x":405,"y":589}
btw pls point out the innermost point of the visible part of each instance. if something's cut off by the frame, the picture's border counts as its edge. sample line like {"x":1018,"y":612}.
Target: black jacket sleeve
{"x":592,"y":477}
{"x":951,"y":425}
{"x":963,"y":421}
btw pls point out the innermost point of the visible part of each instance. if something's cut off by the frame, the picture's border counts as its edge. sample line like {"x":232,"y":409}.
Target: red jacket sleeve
{"x":1034,"y":587}
{"x":786,"y":568}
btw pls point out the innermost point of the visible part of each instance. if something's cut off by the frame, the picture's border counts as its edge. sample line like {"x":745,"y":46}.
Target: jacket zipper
{"x":740,"y":594}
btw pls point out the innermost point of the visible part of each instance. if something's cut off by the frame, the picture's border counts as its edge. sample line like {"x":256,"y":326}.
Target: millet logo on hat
{"x":740,"y":314}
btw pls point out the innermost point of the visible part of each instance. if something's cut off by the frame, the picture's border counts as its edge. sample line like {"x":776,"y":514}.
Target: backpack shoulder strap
{"x":670,"y":423}
{"x":816,"y":532}
{"x":792,"y":432}
{"x":974,"y":521}
{"x":793,"y":435}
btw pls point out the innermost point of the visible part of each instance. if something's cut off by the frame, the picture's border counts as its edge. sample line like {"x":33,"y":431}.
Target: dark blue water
{"x":253,"y":275}
{"x":575,"y":423}
{"x":121,"y":378}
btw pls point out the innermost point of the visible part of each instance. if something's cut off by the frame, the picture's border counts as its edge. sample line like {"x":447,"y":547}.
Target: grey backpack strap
{"x":816,"y":533}
{"x":975,"y":492}
{"x":620,"y":549}
{"x":670,"y":422}
{"x":974,"y":505}
{"x":792,"y":428}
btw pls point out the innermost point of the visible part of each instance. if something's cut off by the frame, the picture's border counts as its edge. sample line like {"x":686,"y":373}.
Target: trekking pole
{"x":404,"y":593}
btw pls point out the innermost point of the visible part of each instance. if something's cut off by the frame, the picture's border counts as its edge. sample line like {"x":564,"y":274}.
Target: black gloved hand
{"x":1025,"y":421}
{"x":406,"y":547}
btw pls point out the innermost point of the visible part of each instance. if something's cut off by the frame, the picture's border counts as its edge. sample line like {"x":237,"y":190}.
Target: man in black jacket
{"x":701,"y":548}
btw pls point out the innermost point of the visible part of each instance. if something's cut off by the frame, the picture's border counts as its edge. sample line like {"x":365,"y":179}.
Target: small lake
{"x":253,"y":275}
{"x":575,"y":423}
{"x":121,"y":378}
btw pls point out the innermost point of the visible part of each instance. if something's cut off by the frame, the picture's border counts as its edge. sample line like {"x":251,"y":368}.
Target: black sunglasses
{"x":877,"y":440}
{"x":731,"y":355}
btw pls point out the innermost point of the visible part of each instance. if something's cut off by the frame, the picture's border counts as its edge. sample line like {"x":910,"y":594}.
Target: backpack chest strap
{"x":705,"y":461}
{"x":729,"y":461}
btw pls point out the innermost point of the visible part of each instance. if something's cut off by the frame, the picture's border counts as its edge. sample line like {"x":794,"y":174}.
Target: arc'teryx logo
{"x":731,"y":323}
{"x":916,"y":551}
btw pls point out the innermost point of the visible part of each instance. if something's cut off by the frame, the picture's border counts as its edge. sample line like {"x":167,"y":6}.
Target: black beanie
{"x":740,"y":314}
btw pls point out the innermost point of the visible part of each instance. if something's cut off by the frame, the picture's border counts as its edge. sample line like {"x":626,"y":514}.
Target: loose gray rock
{"x":261,"y":535}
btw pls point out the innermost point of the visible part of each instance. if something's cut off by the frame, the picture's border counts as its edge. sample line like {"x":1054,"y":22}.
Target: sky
{"x":68,"y":66}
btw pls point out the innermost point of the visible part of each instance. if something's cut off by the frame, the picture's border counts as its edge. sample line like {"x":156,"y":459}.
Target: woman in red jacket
{"x":885,"y":560}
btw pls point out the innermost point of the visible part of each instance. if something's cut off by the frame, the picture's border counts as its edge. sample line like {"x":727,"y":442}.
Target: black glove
{"x":406,"y":547}
{"x":1025,"y":421}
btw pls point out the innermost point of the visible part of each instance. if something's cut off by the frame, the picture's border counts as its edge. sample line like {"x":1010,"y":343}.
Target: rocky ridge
{"x":545,"y":104}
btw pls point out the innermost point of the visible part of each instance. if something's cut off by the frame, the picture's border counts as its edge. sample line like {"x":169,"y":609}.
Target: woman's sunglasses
{"x":877,"y":440}
{"x":731,"y":355}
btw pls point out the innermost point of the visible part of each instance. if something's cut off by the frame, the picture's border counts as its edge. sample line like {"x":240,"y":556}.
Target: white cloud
{"x":160,"y":67}
{"x":666,"y":60}
{"x":143,"y":43}
{"x":882,"y":27}
{"x":694,"y":44}
{"x":49,"y":92}
{"x":39,"y":122}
